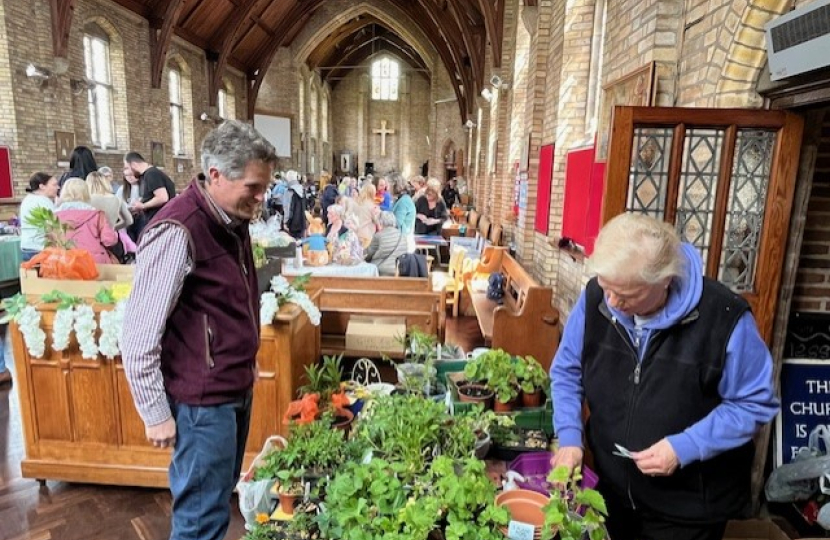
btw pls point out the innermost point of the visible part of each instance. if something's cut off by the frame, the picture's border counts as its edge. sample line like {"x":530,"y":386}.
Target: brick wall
{"x":355,"y":115}
{"x":812,"y":287}
{"x":141,"y":113}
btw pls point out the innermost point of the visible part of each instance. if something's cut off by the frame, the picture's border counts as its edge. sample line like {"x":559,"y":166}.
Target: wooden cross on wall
{"x":383,"y":132}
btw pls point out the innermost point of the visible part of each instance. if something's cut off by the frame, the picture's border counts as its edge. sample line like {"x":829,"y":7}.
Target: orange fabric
{"x":64,"y":264}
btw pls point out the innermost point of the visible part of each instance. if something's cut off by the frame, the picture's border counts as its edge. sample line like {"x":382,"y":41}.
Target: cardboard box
{"x":754,"y":529}
{"x":108,"y":275}
{"x":381,"y":334}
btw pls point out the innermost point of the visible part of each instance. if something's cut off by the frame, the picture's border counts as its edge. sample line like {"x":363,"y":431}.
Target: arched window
{"x":595,"y":73}
{"x":99,"y":95}
{"x":226,"y":102}
{"x":176,"y":109}
{"x":385,"y":75}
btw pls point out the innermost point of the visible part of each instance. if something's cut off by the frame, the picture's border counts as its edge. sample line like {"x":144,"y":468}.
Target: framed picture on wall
{"x":638,"y":88}
{"x":157,"y":153}
{"x":64,"y":144}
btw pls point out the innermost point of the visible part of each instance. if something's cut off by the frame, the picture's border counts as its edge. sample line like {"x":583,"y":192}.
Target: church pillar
{"x":363,"y":124}
{"x":404,"y":162}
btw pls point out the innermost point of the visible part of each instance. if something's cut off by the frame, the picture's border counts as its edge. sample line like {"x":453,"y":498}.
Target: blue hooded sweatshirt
{"x":745,"y":387}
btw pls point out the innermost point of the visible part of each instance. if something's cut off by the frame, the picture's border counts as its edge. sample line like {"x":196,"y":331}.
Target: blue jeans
{"x":205,"y":467}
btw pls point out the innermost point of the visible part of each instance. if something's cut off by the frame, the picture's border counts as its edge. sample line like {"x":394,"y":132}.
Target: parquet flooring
{"x":63,"y":511}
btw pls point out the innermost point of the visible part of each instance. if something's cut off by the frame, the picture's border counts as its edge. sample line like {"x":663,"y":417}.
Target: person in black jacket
{"x":328,"y":197}
{"x":678,"y":381}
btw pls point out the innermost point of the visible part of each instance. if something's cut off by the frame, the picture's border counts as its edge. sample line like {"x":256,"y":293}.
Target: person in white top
{"x":43,"y":189}
{"x":102,"y":198}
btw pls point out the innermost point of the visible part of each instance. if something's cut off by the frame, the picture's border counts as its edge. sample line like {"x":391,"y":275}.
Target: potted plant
{"x":574,"y":512}
{"x":291,"y":488}
{"x":417,"y":373}
{"x":532,"y":379}
{"x":497,"y":370}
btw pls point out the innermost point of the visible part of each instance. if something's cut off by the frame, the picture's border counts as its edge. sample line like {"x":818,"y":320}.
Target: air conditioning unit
{"x":799,"y":41}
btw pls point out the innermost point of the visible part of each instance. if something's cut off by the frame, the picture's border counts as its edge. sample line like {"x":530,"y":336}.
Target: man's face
{"x":240,"y":198}
{"x":133,"y":168}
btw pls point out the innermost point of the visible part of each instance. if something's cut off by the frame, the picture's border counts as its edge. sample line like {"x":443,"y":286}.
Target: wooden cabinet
{"x":80,"y":424}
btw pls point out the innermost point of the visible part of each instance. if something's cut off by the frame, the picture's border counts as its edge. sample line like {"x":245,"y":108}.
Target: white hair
{"x":387,"y":220}
{"x":637,"y":248}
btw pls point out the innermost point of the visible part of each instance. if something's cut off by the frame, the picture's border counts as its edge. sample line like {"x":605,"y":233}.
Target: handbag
{"x":495,"y":287}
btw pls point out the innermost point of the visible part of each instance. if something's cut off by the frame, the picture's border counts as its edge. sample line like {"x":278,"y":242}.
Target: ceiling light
{"x":208,"y":117}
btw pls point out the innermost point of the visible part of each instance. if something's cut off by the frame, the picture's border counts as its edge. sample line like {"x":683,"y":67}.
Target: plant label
{"x":516,"y":530}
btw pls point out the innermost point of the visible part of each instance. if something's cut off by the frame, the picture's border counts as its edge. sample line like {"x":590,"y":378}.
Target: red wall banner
{"x":543,"y":190}
{"x":6,"y":191}
{"x":584,"y":181}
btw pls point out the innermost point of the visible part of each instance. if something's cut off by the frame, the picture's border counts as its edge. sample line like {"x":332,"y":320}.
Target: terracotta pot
{"x":287,"y":502}
{"x":475,"y":393}
{"x":498,"y":406}
{"x":525,"y":506}
{"x":532,"y":400}
{"x":343,"y":419}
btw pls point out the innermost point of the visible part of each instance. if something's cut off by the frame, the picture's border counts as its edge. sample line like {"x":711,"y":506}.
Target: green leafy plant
{"x":291,"y":481}
{"x":573,"y":512}
{"x":105,"y":296}
{"x":421,"y":347}
{"x":53,"y":230}
{"x":259,"y":255}
{"x":372,"y":501}
{"x":13,"y":306}
{"x":498,"y":371}
{"x":531,"y":375}
{"x":323,"y":379}
{"x":62,"y":299}
{"x":263,"y":531}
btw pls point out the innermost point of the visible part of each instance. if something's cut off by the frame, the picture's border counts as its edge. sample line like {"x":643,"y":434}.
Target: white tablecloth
{"x":363,"y":269}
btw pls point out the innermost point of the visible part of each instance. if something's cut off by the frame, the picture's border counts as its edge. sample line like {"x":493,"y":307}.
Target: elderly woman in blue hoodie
{"x":673,"y":369}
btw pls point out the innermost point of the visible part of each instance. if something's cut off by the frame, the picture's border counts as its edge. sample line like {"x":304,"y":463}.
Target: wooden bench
{"x":526,"y":323}
{"x":340,"y":298}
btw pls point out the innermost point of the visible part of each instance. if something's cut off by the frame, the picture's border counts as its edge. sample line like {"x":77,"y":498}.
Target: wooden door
{"x":724,"y":177}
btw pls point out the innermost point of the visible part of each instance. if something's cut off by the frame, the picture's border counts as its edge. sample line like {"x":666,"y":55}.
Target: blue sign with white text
{"x":805,"y":403}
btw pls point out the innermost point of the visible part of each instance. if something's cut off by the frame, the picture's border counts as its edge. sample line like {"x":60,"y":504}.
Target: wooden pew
{"x":526,"y":323}
{"x":340,"y":298}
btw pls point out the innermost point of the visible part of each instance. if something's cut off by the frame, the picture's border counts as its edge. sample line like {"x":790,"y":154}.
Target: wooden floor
{"x":63,"y":511}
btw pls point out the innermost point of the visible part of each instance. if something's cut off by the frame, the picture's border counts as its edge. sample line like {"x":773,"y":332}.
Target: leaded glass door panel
{"x":723,"y":177}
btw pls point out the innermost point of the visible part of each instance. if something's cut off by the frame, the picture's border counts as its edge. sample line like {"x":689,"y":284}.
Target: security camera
{"x":495,"y":80}
{"x":37,"y":72}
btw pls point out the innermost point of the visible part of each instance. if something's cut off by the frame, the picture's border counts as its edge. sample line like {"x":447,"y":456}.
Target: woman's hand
{"x":567,"y":456}
{"x":659,"y":459}
{"x":421,"y":217}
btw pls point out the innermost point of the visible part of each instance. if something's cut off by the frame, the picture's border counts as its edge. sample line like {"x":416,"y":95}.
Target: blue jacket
{"x":746,"y":385}
{"x":404,"y":211}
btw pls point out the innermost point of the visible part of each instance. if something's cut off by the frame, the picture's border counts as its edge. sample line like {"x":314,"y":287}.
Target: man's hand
{"x":162,"y":435}
{"x":567,"y":456}
{"x":658,"y":460}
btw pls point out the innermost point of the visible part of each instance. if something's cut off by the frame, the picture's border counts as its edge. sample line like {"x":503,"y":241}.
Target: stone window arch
{"x":385,"y":77}
{"x":98,"y":85}
{"x":226,"y":101}
{"x":180,"y":96}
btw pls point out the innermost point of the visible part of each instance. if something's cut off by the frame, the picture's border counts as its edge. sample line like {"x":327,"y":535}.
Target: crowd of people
{"x":103,"y":216}
{"x":367,"y":218}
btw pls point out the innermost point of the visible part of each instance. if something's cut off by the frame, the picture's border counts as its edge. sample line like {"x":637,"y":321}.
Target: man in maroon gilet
{"x":191,"y":329}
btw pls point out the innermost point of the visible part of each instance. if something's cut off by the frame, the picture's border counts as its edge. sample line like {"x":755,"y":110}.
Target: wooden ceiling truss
{"x":246,"y":35}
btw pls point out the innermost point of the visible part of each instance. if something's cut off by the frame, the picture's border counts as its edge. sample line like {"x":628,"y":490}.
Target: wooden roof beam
{"x":493,"y":11}
{"x":226,"y":44}
{"x":160,"y":40}
{"x":450,"y":38}
{"x":262,"y":60}
{"x":61,"y":11}
{"x":324,"y":48}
